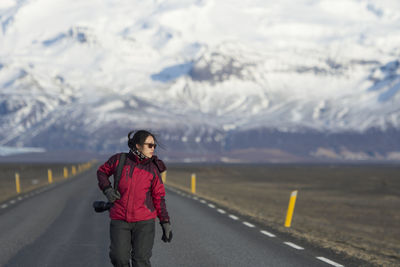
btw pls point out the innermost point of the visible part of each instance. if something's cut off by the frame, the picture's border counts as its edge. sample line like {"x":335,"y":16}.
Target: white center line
{"x":329,"y":261}
{"x":221,"y":211}
{"x":211,"y":205}
{"x":19,"y":198}
{"x":4,"y":206}
{"x":248,"y":224}
{"x":233,"y":217}
{"x":267,"y":233}
{"x":12,"y":201}
{"x":293,"y":245}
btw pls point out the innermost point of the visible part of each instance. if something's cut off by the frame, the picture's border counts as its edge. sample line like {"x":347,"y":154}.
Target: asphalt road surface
{"x":58,"y":227}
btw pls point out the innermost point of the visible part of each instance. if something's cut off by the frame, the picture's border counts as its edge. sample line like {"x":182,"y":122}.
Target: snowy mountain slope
{"x":196,"y":71}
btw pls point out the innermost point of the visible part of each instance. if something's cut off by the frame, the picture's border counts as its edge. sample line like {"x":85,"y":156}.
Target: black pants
{"x":131,"y":240}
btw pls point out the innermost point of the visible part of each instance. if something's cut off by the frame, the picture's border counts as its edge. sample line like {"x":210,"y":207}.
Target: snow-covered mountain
{"x":211,"y":77}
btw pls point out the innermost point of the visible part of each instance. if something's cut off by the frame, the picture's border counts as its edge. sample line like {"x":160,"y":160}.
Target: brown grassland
{"x":32,"y":176}
{"x":353,"y":210}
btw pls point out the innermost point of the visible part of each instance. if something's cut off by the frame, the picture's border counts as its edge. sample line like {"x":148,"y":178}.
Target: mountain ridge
{"x":81,"y":72}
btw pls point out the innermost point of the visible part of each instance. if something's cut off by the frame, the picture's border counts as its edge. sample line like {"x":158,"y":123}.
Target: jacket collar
{"x":159,"y":163}
{"x":136,"y":159}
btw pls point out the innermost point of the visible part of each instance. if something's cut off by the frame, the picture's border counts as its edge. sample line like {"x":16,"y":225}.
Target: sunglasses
{"x":150,"y":145}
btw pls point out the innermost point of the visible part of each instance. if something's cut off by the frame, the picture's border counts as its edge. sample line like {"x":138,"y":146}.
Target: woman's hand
{"x":167,"y":231}
{"x":111,"y":194}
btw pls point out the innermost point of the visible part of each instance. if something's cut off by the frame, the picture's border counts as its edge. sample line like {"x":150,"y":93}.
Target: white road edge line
{"x":203,"y":201}
{"x":248,"y":224}
{"x":221,"y":211}
{"x":293,"y":245}
{"x":267,"y":233}
{"x":330,"y":262}
{"x":12,"y":201}
{"x":211,"y":206}
{"x":4,"y":206}
{"x":19,"y":198}
{"x":233,"y":217}
{"x":196,"y":198}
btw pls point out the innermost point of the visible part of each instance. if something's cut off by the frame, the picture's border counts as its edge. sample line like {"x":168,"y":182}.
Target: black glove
{"x":111,"y":194}
{"x":167,"y":231}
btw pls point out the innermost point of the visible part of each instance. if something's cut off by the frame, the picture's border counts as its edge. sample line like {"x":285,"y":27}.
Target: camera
{"x":101,"y":206}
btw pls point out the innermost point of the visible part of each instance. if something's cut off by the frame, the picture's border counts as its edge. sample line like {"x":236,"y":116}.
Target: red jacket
{"x":141,"y":188}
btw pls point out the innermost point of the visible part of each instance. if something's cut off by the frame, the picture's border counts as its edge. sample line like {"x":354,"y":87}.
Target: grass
{"x":352,"y":210}
{"x":32,"y":176}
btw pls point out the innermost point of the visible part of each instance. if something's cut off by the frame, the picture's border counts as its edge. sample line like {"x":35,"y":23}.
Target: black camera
{"x":101,"y":206}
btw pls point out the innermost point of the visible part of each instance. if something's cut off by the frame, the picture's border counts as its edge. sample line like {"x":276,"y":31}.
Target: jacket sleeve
{"x":158,"y":194}
{"x":106,"y":170}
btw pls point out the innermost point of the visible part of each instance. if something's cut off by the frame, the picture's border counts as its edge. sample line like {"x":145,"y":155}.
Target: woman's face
{"x":148,"y":147}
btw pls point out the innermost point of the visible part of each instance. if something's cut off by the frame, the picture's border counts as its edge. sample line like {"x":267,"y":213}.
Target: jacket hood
{"x":159,"y":163}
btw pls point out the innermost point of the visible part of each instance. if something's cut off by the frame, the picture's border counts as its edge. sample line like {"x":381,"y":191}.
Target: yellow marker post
{"x":289,"y":214}
{"x":193,"y":183}
{"x":73,"y":171}
{"x":164,"y":176}
{"x":17,"y":183}
{"x":50,"y":176}
{"x":65,"y":172}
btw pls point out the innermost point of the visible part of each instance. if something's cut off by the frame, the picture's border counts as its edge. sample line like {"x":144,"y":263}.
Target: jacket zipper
{"x":129,"y":192}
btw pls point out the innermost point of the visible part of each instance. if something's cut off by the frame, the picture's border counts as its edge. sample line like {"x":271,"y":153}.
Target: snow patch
{"x":110,"y":106}
{"x":8,"y":150}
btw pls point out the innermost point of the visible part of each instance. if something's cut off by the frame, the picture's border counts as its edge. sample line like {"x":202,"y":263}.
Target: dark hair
{"x":139,"y":138}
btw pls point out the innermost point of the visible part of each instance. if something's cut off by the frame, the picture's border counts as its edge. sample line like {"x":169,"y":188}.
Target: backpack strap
{"x":120,"y":167}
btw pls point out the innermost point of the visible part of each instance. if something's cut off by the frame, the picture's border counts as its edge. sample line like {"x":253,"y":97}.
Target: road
{"x":58,"y":227}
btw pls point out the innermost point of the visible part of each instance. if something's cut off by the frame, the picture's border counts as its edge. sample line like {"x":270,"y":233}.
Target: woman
{"x":138,"y":200}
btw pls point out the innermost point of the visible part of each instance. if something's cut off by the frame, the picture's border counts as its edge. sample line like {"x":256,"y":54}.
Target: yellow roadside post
{"x":17,"y":183}
{"x":164,"y":176}
{"x":73,"y":170}
{"x":290,"y":210}
{"x":65,"y":172}
{"x":193,"y":183}
{"x":50,"y":176}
